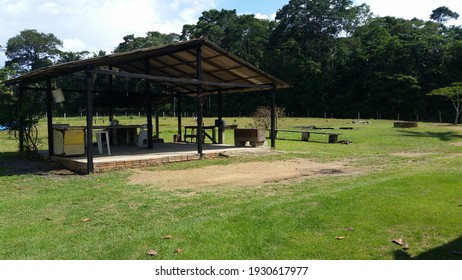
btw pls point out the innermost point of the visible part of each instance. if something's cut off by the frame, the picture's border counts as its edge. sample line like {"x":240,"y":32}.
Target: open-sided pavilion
{"x":196,"y":68}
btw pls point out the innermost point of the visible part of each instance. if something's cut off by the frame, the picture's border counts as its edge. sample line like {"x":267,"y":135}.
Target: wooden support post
{"x":273,"y":118}
{"x":21,"y":119}
{"x":220,"y":118}
{"x":89,"y":140}
{"x":50,"y":118}
{"x":147,"y":85}
{"x":110,"y":84}
{"x":178,"y":97}
{"x":157,"y":122}
{"x":199,"y":101}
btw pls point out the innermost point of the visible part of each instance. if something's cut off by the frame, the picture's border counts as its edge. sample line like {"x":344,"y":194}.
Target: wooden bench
{"x":333,"y":137}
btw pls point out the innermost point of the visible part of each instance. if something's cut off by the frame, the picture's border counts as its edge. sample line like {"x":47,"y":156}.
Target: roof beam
{"x":178,"y":80}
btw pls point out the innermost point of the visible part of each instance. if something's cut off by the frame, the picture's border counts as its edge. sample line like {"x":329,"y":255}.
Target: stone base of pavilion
{"x":125,"y":157}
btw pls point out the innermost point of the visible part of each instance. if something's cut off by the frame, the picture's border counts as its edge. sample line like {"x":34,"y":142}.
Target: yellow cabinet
{"x":68,"y":140}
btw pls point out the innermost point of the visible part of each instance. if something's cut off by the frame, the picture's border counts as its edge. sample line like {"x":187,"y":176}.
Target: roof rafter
{"x":178,"y":80}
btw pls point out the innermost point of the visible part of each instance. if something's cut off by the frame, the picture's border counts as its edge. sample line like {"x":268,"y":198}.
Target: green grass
{"x":416,"y":198}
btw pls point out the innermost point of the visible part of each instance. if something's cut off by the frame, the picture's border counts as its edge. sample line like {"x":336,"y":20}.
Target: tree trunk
{"x":456,"y":121}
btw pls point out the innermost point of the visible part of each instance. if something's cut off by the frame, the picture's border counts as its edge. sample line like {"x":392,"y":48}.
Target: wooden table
{"x":122,"y":134}
{"x":207,"y":131}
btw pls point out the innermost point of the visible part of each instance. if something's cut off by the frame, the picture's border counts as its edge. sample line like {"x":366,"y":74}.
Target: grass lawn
{"x":409,"y":187}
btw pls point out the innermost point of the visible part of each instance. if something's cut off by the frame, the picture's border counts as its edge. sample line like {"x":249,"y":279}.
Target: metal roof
{"x":173,"y":65}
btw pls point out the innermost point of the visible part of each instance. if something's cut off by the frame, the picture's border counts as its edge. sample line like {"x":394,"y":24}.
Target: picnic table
{"x":208,"y":131}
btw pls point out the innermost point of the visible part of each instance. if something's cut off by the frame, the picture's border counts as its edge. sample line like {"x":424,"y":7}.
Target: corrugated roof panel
{"x":186,"y":57}
{"x":172,"y":61}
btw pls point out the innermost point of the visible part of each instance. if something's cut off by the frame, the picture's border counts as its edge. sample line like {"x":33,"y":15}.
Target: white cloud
{"x":263,"y":16}
{"x":13,"y":7}
{"x":73,"y":44}
{"x":94,"y":25}
{"x":49,"y":7}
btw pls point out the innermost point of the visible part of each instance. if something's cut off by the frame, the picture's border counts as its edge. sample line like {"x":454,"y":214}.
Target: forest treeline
{"x":340,"y":59}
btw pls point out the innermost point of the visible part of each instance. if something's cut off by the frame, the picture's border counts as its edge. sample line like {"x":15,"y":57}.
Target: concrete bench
{"x":333,"y":137}
{"x":256,"y":137}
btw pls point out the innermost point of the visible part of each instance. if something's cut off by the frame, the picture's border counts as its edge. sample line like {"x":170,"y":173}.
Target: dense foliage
{"x":340,"y":59}
{"x":20,"y":114}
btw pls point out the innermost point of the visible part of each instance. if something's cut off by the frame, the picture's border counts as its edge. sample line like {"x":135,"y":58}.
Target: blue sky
{"x":95,"y":25}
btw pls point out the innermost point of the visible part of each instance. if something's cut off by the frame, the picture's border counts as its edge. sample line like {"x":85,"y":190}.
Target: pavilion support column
{"x":147,"y":85}
{"x":21,"y":120}
{"x":50,"y":118}
{"x":156,"y":111}
{"x":220,"y":118}
{"x":178,"y":108}
{"x":89,"y":140}
{"x":111,"y":108}
{"x":199,"y":102}
{"x":273,"y":118}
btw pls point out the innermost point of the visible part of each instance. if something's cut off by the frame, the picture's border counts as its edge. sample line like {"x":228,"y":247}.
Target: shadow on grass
{"x":16,"y":163}
{"x":443,"y":136}
{"x":448,"y":251}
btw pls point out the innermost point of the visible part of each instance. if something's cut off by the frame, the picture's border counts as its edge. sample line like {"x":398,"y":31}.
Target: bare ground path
{"x":240,"y":174}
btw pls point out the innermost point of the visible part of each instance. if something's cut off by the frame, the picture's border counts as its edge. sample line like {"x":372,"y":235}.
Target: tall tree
{"x":31,"y":50}
{"x":443,"y":14}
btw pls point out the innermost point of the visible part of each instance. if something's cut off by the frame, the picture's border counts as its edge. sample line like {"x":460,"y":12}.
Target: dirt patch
{"x":411,"y":155}
{"x":456,"y":155}
{"x":457,"y":144}
{"x":240,"y":174}
{"x":456,"y":127}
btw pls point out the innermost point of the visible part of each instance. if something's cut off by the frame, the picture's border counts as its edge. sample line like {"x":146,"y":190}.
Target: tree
{"x":6,"y":98}
{"x":443,"y":14}
{"x":212,"y":24}
{"x":31,"y":50}
{"x":72,"y":56}
{"x":20,"y":114}
{"x":243,"y":35}
{"x":305,"y":45}
{"x":152,"y":39}
{"x":393,"y":63}
{"x":454,"y":94}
